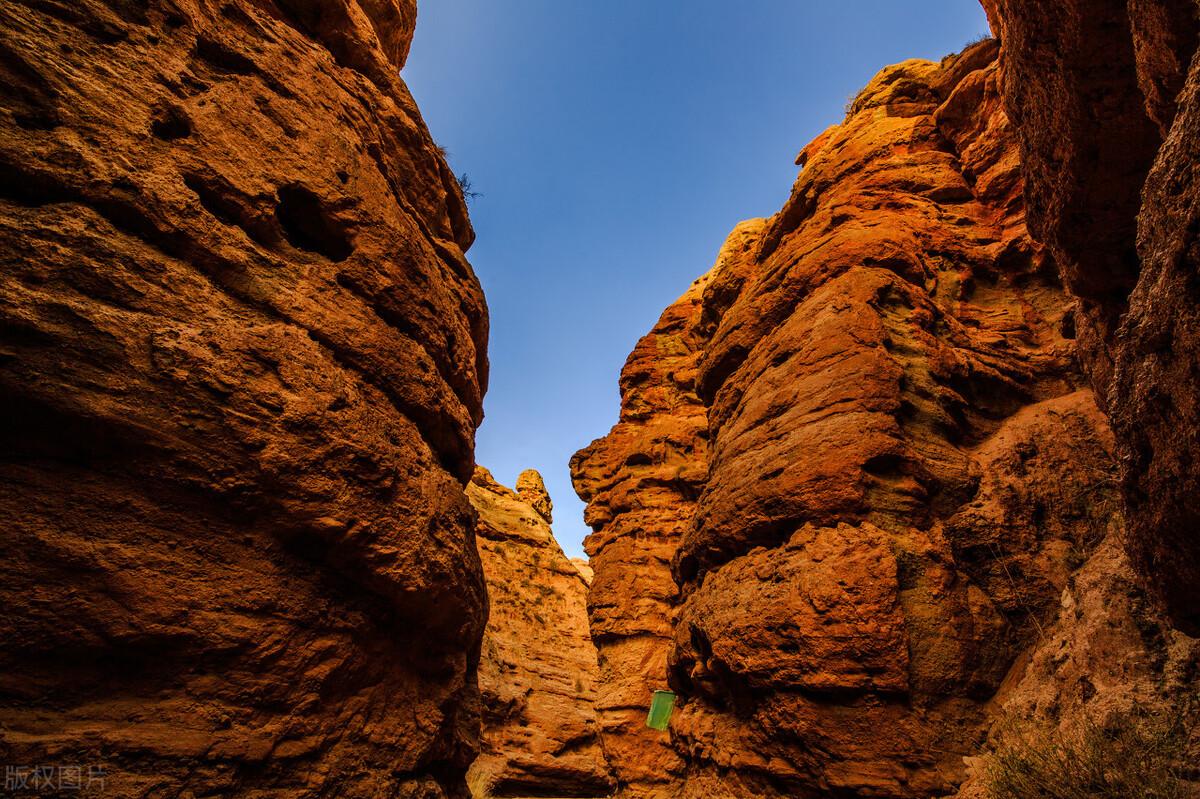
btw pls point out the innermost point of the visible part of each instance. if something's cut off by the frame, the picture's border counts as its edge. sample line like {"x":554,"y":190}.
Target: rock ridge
{"x":537,"y":672}
{"x":857,"y":465}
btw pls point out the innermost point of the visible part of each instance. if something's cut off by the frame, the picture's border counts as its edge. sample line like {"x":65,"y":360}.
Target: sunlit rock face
{"x":641,"y":482}
{"x":855,"y":467}
{"x":538,"y":667}
{"x":1105,"y":97}
{"x":243,"y":359}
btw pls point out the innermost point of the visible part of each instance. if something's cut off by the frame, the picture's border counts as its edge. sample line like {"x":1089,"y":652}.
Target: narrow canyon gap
{"x":911,"y":463}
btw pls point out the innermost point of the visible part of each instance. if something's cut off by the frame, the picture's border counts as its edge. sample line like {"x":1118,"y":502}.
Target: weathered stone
{"x":538,"y":669}
{"x":1110,"y":133}
{"x":242,"y":362}
{"x":532,"y":490}
{"x":863,"y":442}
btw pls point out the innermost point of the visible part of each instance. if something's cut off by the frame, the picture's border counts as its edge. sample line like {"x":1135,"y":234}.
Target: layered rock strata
{"x":1105,"y":97}
{"x":855,"y":467}
{"x":242,"y":357}
{"x":538,"y":669}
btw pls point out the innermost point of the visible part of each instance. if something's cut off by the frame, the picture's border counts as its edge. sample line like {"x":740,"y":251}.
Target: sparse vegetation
{"x":850,"y":101}
{"x":1132,"y":756}
{"x":464,"y":180}
{"x":464,"y":183}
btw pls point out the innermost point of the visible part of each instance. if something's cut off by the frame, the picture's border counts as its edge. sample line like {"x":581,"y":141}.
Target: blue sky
{"x":616,"y":143}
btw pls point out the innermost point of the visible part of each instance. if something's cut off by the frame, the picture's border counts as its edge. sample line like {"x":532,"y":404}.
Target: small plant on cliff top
{"x":1131,"y":757}
{"x":464,"y":183}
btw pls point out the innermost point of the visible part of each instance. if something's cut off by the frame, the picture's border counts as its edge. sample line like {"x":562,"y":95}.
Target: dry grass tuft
{"x":1131,"y":757}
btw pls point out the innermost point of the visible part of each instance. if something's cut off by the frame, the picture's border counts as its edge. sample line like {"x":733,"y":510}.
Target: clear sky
{"x":616,"y":143}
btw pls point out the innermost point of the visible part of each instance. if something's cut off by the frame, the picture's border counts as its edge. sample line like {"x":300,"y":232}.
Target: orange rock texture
{"x":855,"y":467}
{"x":1105,"y":96}
{"x":641,"y":483}
{"x":538,"y":668}
{"x":242,"y":363}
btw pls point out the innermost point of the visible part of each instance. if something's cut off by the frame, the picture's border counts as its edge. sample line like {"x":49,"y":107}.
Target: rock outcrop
{"x":1105,"y":96}
{"x":538,"y":668}
{"x":242,"y":358}
{"x":1107,"y":655}
{"x":641,"y":483}
{"x":856,"y":466}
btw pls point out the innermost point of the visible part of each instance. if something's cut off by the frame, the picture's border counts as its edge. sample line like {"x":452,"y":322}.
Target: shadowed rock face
{"x":242,"y":356}
{"x":855,"y":466}
{"x":537,"y":672}
{"x":1105,"y":96}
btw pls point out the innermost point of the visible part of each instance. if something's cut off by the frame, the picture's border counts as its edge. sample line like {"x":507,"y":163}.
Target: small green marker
{"x":661,"y":707}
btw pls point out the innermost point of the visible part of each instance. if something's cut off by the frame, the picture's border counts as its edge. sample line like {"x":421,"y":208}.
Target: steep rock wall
{"x":242,"y":362}
{"x":1105,"y":97}
{"x":538,"y":667}
{"x":641,"y":482}
{"x":863,"y":444}
{"x":1106,"y":660}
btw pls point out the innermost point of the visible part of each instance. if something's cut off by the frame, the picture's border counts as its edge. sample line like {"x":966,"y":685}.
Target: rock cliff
{"x":538,"y":668}
{"x":856,"y":467}
{"x":242,"y":357}
{"x":1108,"y":112}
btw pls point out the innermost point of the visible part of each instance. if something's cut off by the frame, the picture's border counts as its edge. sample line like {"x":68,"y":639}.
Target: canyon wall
{"x":242,"y":362}
{"x":538,"y":671}
{"x":1107,"y":108}
{"x":641,"y":483}
{"x":856,"y":469}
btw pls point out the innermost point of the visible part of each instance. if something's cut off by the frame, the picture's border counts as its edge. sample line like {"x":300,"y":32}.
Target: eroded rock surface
{"x":242,"y":362}
{"x":1107,"y":656}
{"x":641,"y":482}
{"x":1105,"y":96}
{"x":855,"y":467}
{"x":538,"y":668}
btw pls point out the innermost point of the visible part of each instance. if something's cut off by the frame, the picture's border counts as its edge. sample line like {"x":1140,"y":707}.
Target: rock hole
{"x":223,"y":58}
{"x":883,"y":465}
{"x":309,"y":226}
{"x":638,"y":459}
{"x":1068,"y":325}
{"x":29,"y":189}
{"x":219,"y":198}
{"x":688,"y":568}
{"x":219,"y":206}
{"x":171,"y":123}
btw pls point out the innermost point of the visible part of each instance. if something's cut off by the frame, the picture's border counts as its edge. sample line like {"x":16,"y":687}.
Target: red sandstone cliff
{"x":1108,"y":113}
{"x":538,"y":668}
{"x":863,"y":449}
{"x":242,"y":363}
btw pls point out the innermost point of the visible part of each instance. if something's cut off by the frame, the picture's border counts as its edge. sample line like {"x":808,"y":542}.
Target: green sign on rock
{"x":660,"y":710}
